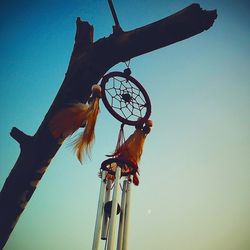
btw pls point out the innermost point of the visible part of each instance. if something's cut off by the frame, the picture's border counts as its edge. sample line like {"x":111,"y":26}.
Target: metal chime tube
{"x":122,"y":215}
{"x":105,"y":220}
{"x":99,"y":214}
{"x":111,"y":234}
{"x":127,"y":216}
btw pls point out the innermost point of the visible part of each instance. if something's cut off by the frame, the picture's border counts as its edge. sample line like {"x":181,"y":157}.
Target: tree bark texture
{"x":89,"y":62}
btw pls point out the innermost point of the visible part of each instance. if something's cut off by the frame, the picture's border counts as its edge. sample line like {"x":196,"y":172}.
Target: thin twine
{"x":121,"y":186}
{"x":106,"y":241}
{"x":127,"y":63}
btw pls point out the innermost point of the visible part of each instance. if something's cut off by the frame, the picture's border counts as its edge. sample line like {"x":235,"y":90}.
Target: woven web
{"x":125,"y":98}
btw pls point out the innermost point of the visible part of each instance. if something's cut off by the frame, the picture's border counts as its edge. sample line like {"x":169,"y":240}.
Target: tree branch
{"x":20,"y":136}
{"x":88,"y":63}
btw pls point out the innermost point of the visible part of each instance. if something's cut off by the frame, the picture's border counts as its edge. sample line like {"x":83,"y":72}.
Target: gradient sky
{"x":194,"y":191}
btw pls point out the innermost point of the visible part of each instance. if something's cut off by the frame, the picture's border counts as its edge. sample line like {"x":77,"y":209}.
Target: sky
{"x":194,"y":191}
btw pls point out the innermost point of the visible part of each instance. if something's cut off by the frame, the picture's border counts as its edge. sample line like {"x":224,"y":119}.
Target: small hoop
{"x":127,"y":167}
{"x":125,"y":98}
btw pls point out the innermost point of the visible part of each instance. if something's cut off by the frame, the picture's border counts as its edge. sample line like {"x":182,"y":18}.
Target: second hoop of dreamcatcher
{"x":125,"y":98}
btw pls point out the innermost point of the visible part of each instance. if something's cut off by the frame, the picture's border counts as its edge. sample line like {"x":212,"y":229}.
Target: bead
{"x":96,"y":89}
{"x":127,"y":71}
{"x":149,"y":123}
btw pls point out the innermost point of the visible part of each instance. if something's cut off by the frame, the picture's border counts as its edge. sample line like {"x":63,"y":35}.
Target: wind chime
{"x":127,"y":100}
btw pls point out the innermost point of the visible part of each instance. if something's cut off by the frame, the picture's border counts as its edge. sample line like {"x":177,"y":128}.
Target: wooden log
{"x":88,"y":63}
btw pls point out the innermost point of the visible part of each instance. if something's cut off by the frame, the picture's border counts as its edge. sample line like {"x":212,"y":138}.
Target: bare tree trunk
{"x":89,"y":62}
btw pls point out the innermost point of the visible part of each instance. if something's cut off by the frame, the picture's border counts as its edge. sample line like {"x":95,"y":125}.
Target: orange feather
{"x":132,"y":148}
{"x":82,"y":144}
{"x":68,"y":120}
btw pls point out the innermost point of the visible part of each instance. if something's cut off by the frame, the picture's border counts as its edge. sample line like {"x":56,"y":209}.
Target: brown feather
{"x":68,"y":120}
{"x":132,"y":148}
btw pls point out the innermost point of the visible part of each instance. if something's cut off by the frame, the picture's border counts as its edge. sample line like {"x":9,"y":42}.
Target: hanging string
{"x":127,"y":63}
{"x":121,"y":137}
{"x":112,"y":186}
{"x":106,"y":241}
{"x":127,"y":71}
{"x":121,"y":187}
{"x":120,"y":145}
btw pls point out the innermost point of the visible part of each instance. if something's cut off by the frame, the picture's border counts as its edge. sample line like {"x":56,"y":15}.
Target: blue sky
{"x":194,"y":185}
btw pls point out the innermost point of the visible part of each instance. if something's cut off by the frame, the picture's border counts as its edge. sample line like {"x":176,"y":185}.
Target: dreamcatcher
{"x":127,"y":101}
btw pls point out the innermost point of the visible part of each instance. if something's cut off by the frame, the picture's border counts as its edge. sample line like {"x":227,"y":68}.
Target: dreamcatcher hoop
{"x":125,"y":98}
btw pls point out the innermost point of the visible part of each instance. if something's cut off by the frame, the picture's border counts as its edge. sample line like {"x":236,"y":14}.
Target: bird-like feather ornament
{"x":132,"y":148}
{"x":68,"y":120}
{"x":83,"y":143}
{"x":77,"y":115}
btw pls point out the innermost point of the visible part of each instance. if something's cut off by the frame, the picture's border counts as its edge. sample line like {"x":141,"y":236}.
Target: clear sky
{"x":194,"y":191}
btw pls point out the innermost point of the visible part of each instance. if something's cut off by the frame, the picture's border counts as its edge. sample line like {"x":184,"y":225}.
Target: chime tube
{"x":111,"y":234}
{"x":99,"y":214}
{"x":105,"y":219}
{"x":122,"y":215}
{"x":127,"y":216}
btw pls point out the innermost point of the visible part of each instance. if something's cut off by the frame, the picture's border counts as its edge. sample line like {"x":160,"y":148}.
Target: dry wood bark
{"x":89,"y":62}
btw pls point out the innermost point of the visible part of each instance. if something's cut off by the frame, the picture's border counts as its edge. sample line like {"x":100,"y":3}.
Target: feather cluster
{"x":77,"y":115}
{"x":132,"y":148}
{"x":83,"y":143}
{"x":68,"y":120}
